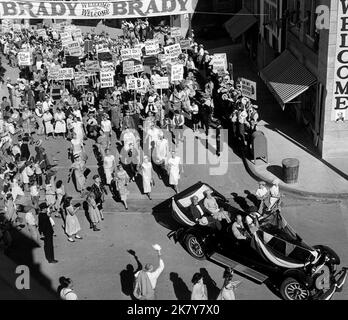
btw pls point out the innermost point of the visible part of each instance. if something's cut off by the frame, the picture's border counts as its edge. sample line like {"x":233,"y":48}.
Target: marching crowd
{"x":145,"y":125}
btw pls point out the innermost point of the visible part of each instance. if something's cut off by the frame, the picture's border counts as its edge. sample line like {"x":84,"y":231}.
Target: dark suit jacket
{"x":45,"y":226}
{"x":196,"y":214}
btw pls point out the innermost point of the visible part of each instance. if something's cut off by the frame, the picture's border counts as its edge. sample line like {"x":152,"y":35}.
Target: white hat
{"x":249,"y":220}
{"x":244,"y":101}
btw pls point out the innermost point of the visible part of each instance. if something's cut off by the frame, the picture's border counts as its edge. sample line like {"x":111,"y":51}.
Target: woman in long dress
{"x":174,"y":170}
{"x":227,"y":291}
{"x":26,"y":118}
{"x":78,"y":128}
{"x":93,"y":212}
{"x":146,"y":173}
{"x":79,"y":167}
{"x":60,"y":125}
{"x":60,"y":193}
{"x":199,"y":289}
{"x":109,"y":166}
{"x":122,"y":179}
{"x":72,"y":225}
{"x":47,"y":118}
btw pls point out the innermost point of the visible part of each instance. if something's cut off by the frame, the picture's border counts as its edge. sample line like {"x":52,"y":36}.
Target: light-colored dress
{"x":108,"y":167}
{"x":60,"y":192}
{"x":174,"y":170}
{"x":78,"y":130}
{"x":146,"y":172}
{"x":80,"y":179}
{"x":72,"y":225}
{"x":60,"y":126}
{"x":199,"y":292}
{"x":47,"y":117}
{"x":160,"y":152}
{"x":122,"y":179}
{"x":93,"y":211}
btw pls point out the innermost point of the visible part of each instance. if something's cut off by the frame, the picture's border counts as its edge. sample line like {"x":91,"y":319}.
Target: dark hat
{"x":95,"y":176}
{"x":43,"y":206}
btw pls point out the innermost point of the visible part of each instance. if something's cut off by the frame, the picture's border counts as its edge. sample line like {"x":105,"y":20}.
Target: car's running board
{"x":239,"y":268}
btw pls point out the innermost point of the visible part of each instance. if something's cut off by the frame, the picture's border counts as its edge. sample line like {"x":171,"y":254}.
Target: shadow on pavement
{"x":181,"y":290}
{"x":127,"y":276}
{"x":212,"y":288}
{"x":18,"y":251}
{"x":276,"y":170}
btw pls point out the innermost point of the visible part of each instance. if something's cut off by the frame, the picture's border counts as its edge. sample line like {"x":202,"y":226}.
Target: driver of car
{"x":201,"y":216}
{"x":238,"y":229}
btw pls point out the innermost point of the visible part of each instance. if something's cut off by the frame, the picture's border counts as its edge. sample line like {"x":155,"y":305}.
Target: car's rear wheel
{"x":194,"y":247}
{"x":291,"y":289}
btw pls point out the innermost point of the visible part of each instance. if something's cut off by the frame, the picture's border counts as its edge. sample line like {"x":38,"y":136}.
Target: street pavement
{"x":98,"y":263}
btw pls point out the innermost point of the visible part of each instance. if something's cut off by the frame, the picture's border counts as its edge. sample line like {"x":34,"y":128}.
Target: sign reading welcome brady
{"x":340,"y":94}
{"x":93,"y":9}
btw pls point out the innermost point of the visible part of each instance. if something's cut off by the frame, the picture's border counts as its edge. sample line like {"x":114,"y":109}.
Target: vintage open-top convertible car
{"x":274,"y":252}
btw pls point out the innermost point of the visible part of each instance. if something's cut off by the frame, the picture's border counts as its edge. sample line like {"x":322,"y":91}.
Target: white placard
{"x":176,"y":72}
{"x":161,"y":82}
{"x":107,"y":65}
{"x":74,"y":49}
{"x":175,"y":32}
{"x":135,"y":83}
{"x":173,"y":51}
{"x":127,"y":54}
{"x":128,"y":67}
{"x":65,"y":74}
{"x":106,"y":79}
{"x":219,"y":62}
{"x":66,"y":38}
{"x":24,"y":58}
{"x":249,"y":89}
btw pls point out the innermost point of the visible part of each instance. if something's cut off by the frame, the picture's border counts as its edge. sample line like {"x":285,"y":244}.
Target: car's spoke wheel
{"x":291,"y":289}
{"x":194,"y":247}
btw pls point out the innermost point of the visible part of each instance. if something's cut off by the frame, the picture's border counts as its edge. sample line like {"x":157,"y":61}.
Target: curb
{"x":296,"y":192}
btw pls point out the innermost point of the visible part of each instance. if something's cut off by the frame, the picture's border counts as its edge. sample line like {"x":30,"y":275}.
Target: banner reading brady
{"x":93,"y":9}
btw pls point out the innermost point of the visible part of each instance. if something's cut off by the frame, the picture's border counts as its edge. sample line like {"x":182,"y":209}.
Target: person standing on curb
{"x":146,"y":279}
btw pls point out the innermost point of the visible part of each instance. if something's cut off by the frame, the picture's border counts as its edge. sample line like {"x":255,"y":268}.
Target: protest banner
{"x":94,"y":9}
{"x":76,"y":34}
{"x":127,"y":54}
{"x":107,"y":65}
{"x":74,"y":49}
{"x":152,"y":50}
{"x":106,"y":79}
{"x":81,"y":78}
{"x":135,"y":83}
{"x":65,"y":74}
{"x":185,"y":44}
{"x":128,"y":67}
{"x":173,"y":50}
{"x":24,"y":58}
{"x":138,"y":68}
{"x":176,"y":72}
{"x":53,"y":72}
{"x":175,"y":32}
{"x":102,"y":47}
{"x":41,"y":32}
{"x":66,"y":38}
{"x":161,"y":82}
{"x":92,"y":66}
{"x":164,"y":59}
{"x":249,"y":89}
{"x":6,"y":25}
{"x":219,"y":62}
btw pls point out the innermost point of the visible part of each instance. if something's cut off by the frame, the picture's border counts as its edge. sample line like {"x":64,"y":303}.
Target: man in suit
{"x":202,"y":216}
{"x":45,"y":227}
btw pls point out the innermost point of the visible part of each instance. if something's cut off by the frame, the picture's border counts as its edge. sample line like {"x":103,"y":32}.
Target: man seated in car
{"x":238,"y":229}
{"x":201,"y":216}
{"x":212,"y":207}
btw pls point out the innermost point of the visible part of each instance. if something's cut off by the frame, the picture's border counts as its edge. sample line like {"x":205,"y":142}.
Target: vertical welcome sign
{"x":340,"y":95}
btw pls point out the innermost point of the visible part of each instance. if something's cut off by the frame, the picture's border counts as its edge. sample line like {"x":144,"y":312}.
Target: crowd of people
{"x":144,"y":125}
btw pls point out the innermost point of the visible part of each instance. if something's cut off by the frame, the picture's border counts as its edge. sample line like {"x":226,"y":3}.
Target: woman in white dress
{"x":77,"y":146}
{"x":47,"y":119}
{"x":174,"y":170}
{"x":78,"y":128}
{"x":72,"y":225}
{"x":146,"y":173}
{"x":60,"y":125}
{"x":109,"y":166}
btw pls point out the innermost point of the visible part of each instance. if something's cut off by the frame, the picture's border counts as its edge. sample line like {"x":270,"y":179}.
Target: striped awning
{"x":287,"y":78}
{"x":239,"y":23}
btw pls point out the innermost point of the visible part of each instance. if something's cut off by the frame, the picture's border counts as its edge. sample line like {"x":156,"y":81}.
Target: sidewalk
{"x":317,"y":177}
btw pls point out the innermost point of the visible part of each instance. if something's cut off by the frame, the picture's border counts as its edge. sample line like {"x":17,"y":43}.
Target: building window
{"x":310,"y":18}
{"x":270,"y":11}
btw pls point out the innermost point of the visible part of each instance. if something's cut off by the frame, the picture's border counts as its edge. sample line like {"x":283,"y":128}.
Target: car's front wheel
{"x":291,"y":289}
{"x":194,"y":247}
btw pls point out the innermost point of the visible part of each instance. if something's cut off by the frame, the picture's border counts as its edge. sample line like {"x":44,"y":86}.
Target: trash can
{"x":290,"y":170}
{"x":259,"y":146}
